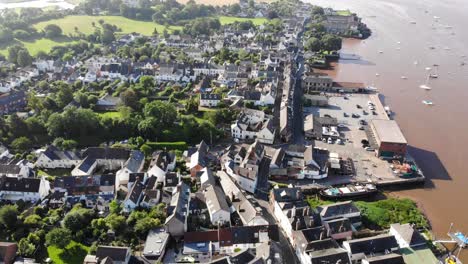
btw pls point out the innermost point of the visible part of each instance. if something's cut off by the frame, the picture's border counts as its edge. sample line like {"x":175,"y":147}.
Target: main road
{"x":297,"y":118}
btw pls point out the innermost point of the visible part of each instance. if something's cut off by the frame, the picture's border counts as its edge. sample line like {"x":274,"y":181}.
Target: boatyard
{"x":355,"y":115}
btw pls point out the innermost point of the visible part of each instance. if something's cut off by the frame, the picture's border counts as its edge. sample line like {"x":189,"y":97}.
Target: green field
{"x":84,"y":24}
{"x":35,"y":46}
{"x":228,"y":20}
{"x":74,"y":253}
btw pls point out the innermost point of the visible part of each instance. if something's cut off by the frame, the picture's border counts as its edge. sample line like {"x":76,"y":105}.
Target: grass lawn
{"x":343,"y":12}
{"x":74,"y":253}
{"x":83,"y":23}
{"x":37,"y":45}
{"x":229,"y":19}
{"x":54,"y":172}
{"x":113,"y":115}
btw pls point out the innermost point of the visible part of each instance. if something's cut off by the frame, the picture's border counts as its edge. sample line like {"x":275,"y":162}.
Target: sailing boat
{"x":425,"y":86}
{"x":434,"y":75}
{"x":427,"y":102}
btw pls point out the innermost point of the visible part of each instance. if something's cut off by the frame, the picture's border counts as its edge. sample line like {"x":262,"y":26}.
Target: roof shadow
{"x":430,"y":164}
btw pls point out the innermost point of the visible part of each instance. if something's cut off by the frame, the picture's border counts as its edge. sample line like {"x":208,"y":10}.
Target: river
{"x":37,"y":3}
{"x":403,"y":32}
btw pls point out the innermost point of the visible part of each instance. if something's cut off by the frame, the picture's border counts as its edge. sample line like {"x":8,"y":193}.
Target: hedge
{"x":180,"y":145}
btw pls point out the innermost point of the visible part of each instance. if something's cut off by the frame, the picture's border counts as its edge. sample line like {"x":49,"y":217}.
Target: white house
{"x":27,"y":189}
{"x":217,"y":205}
{"x":209,"y":99}
{"x":134,"y":164}
{"x":406,"y":236}
{"x":266,"y":99}
{"x":134,"y":197}
{"x":53,"y":158}
{"x":247,"y":211}
{"x":18,"y":170}
{"x":253,"y":125}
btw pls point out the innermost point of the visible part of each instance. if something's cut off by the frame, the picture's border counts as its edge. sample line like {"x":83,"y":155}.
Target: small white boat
{"x":425,"y":87}
{"x":380,"y":51}
{"x":377,"y":74}
{"x":416,"y":62}
{"x":398,"y":42}
{"x":398,"y":48}
{"x":436,"y":17}
{"x":413,"y":22}
{"x":427,"y":102}
{"x":431,"y":47}
{"x":448,"y":27}
{"x":404,"y":77}
{"x":433,"y":76}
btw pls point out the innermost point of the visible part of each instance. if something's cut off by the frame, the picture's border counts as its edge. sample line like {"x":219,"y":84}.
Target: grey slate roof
{"x":216,"y":199}
{"x":13,"y":184}
{"x":116,"y":253}
{"x":210,"y":96}
{"x":337,"y":209}
{"x":375,"y":244}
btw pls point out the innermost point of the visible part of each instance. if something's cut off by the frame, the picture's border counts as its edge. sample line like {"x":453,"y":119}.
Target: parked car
{"x":339,"y":141}
{"x":345,"y":114}
{"x":364,"y":112}
{"x":345,"y":97}
{"x":369,"y":149}
{"x":355,"y":115}
{"x":358,"y":106}
{"x":362,"y":122}
{"x":371,"y":107}
{"x":330,"y":141}
{"x":361,"y":128}
{"x":374,"y":113}
{"x":341,"y":125}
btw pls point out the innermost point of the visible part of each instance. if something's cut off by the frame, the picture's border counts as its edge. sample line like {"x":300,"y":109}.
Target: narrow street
{"x":288,"y":253}
{"x":297,"y":118}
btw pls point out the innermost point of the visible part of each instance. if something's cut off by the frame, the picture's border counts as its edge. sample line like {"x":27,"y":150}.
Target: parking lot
{"x":368,"y":167}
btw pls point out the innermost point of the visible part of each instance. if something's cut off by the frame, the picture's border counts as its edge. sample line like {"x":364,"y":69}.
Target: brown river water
{"x":403,"y":33}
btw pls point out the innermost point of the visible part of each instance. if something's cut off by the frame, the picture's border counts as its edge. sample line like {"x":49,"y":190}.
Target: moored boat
{"x":349,"y":191}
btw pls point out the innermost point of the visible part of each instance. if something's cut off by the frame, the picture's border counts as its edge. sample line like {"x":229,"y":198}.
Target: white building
{"x":27,"y":189}
{"x":217,"y":205}
{"x":209,"y":99}
{"x":53,"y":158}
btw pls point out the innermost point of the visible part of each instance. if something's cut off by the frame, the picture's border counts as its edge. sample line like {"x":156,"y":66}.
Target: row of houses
{"x":327,"y":234}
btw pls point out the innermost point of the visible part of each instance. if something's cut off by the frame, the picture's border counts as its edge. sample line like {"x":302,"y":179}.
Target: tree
{"x":115,"y":207}
{"x":21,"y":144}
{"x":33,"y":220}
{"x":331,"y":42}
{"x":24,"y":58}
{"x":107,"y":36}
{"x":314,"y":44}
{"x":164,"y":113}
{"x":147,"y":82}
{"x":142,"y":226}
{"x":129,"y":98}
{"x":26,"y":248}
{"x":52,"y":31}
{"x":317,"y":10}
{"x":59,"y":237}
{"x":8,"y":216}
{"x":116,"y":222}
{"x":76,"y":219}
